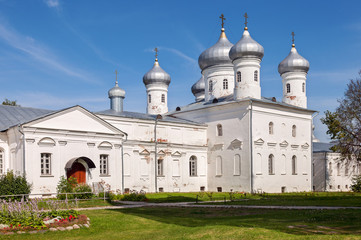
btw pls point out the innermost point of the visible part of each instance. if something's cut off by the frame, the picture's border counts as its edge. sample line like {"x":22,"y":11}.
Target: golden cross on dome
{"x":245,"y":22}
{"x":293,"y":38}
{"x":223,"y":18}
{"x":156,"y":53}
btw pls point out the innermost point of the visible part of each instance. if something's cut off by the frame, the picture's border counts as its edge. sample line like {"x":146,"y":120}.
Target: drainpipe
{"x":126,"y":138}
{"x":155,"y":153}
{"x":251,"y":145}
{"x":22,"y":133}
{"x":312,"y":133}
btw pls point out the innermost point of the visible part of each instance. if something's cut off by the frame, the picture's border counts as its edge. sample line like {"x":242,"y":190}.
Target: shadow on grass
{"x":297,"y":222}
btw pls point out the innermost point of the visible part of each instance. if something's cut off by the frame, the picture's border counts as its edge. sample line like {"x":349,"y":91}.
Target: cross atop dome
{"x":156,"y":54}
{"x":293,"y":39}
{"x":245,"y":21}
{"x":223,"y":18}
{"x":116,"y":77}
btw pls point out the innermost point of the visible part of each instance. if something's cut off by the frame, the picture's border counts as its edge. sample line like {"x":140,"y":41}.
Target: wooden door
{"x":77,"y":171}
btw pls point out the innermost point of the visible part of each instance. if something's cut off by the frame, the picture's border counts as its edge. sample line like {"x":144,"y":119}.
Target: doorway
{"x":77,"y":171}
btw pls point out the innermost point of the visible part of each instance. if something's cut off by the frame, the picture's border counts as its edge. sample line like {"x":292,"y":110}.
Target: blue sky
{"x":56,"y":53}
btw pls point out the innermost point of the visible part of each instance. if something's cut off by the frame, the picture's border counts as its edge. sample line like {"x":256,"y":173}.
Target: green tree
{"x":344,"y":125}
{"x":9,"y":102}
{"x":11,"y":184}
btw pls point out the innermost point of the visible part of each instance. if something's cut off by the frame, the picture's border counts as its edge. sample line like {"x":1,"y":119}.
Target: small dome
{"x":294,"y":62}
{"x":156,"y":75}
{"x":199,"y":86}
{"x":246,"y":47}
{"x":217,"y":54}
{"x":116,"y":91}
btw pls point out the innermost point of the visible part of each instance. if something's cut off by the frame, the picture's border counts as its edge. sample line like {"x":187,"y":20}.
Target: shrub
{"x":11,"y":184}
{"x":356,"y":184}
{"x":86,"y":191}
{"x":134,"y":196}
{"x":66,"y":186}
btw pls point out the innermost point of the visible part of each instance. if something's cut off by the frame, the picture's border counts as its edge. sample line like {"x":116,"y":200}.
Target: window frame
{"x":294,"y":165}
{"x":219,"y":130}
{"x":2,"y":160}
{"x":104,"y":162}
{"x":270,"y":128}
{"x":288,"y":88}
{"x":225,"y":84}
{"x":271,"y":166}
{"x":163,"y":98}
{"x":149,"y":98}
{"x":160,"y":167}
{"x":294,"y":131}
{"x":45,"y":170}
{"x":193,"y":166}
{"x":303,"y":87}
{"x":239,"y":76}
{"x":210,"y":86}
{"x":255,"y":75}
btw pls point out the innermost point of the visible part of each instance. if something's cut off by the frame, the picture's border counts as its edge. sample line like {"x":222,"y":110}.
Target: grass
{"x":209,"y":223}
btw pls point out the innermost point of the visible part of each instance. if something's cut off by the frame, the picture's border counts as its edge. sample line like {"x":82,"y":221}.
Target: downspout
{"x":126,"y":138}
{"x":312,"y":133}
{"x":155,"y":154}
{"x":251,"y":146}
{"x":22,"y":133}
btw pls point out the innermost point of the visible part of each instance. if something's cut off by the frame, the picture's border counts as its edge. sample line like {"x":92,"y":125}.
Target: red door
{"x":77,"y":171}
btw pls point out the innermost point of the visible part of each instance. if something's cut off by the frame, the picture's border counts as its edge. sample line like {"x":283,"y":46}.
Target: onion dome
{"x":217,"y":54}
{"x":116,"y":91}
{"x":199,"y":86}
{"x":294,"y":62}
{"x":246,"y":47}
{"x":156,"y":75}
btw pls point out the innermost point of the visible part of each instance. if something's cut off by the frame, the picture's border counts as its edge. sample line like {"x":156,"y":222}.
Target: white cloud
{"x":180,"y":54}
{"x":39,"y":52}
{"x":52,"y":3}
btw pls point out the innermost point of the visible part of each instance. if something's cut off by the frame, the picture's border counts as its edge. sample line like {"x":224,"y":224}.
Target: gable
{"x":74,"y":119}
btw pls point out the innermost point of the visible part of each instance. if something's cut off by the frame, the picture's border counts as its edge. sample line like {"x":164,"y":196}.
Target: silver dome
{"x":156,"y":75}
{"x":116,"y":91}
{"x":246,"y":47}
{"x":217,"y":54}
{"x":294,"y":62}
{"x":199,"y":86}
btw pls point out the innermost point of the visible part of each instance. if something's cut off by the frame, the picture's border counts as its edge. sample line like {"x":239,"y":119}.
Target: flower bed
{"x":26,"y":216}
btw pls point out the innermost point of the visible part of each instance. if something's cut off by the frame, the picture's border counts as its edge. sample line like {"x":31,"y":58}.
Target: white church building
{"x":229,"y":139}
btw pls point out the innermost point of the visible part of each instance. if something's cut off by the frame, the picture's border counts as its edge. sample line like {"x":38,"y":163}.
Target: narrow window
{"x":288,"y":87}
{"x":237,"y":165}
{"x":270,"y":128}
{"x":303,"y":87}
{"x":149,"y":98}
{"x":193,"y":166}
{"x":104,"y":164}
{"x":330,"y":168}
{"x":294,"y":131}
{"x":338,"y":169}
{"x":218,"y":166}
{"x":219,"y":130}
{"x":45,"y":163}
{"x":163,"y":98}
{"x":210,"y":86}
{"x":225,"y":84}
{"x":294,"y":165}
{"x":160,"y":167}
{"x":239,"y":77}
{"x":271,"y":164}
{"x":255,"y":76}
{"x":1,"y":161}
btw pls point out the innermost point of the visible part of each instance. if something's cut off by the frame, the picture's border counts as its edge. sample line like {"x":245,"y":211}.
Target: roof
{"x":11,"y":116}
{"x":322,"y":147}
{"x":143,"y":116}
{"x":230,"y":99}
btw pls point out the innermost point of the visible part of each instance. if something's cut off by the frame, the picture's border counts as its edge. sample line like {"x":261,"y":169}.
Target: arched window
{"x":338,"y":169}
{"x":303,"y":87}
{"x":225,"y":84}
{"x":255,"y":75}
{"x":219,"y":130}
{"x":163,"y":98}
{"x":210,"y":89}
{"x":294,"y":131}
{"x":330,"y":168}
{"x":193,"y":166}
{"x":239,"y":77}
{"x":270,"y":128}
{"x":1,"y":161}
{"x":237,"y":165}
{"x":288,"y":88}
{"x":149,"y":98}
{"x":271,"y":164}
{"x":294,"y":165}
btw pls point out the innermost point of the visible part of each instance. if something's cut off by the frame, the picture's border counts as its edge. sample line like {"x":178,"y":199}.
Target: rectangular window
{"x":1,"y":162}
{"x":218,"y":166}
{"x":176,"y":172}
{"x":45,"y":164}
{"x":160,"y":167}
{"x":104,"y":164}
{"x":237,"y":165}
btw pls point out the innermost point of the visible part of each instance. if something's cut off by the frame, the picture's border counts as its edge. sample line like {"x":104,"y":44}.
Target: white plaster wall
{"x":296,"y":96}
{"x":283,"y":146}
{"x":217,"y":74}
{"x":4,"y":146}
{"x":320,"y":173}
{"x":156,"y":106}
{"x":247,"y":87}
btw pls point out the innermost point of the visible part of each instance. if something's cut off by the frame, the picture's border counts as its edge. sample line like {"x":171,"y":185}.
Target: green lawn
{"x":195,"y":223}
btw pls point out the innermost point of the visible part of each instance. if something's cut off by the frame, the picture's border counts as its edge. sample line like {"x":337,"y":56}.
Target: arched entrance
{"x":77,"y":168}
{"x":77,"y":171}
